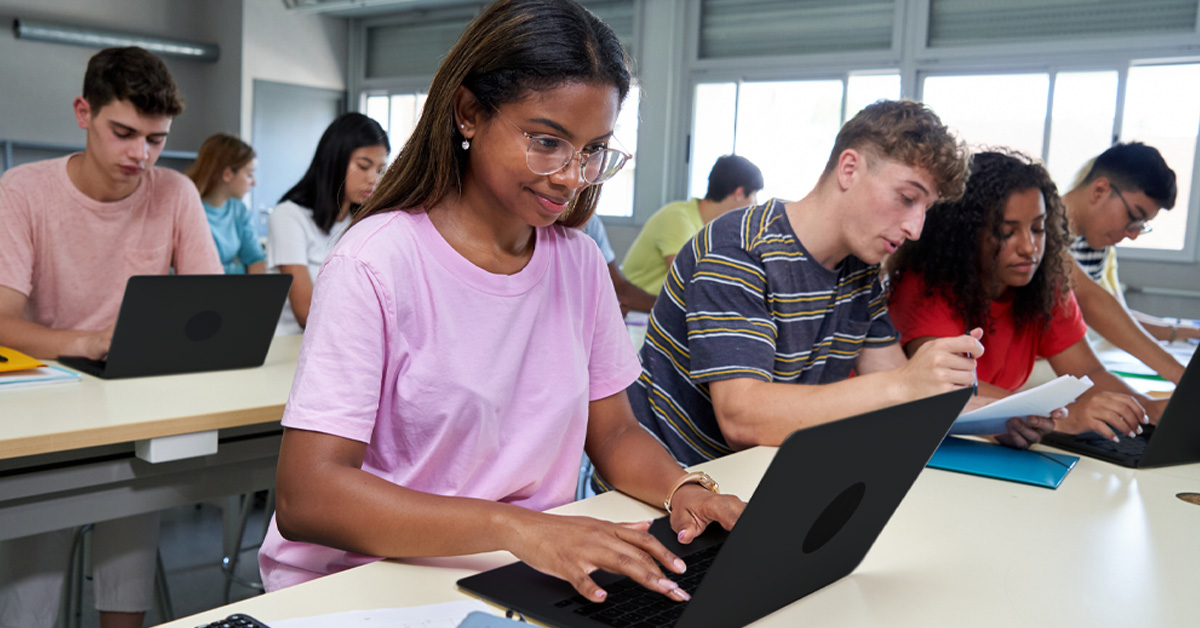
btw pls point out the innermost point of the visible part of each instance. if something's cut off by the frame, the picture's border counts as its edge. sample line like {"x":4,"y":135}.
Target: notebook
{"x":1028,"y":466}
{"x":189,"y":323}
{"x":1175,"y":440}
{"x":824,"y":499}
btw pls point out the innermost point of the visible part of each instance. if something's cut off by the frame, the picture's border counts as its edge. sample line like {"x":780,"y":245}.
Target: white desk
{"x":67,"y":450}
{"x":1111,"y":547}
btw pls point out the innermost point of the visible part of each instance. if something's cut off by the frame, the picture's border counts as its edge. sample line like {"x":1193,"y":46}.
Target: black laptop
{"x":1175,"y":440}
{"x":189,"y":323}
{"x":820,"y":506}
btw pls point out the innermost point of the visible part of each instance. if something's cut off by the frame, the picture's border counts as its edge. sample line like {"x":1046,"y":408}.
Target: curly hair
{"x":954,"y":256}
{"x":907,"y":132}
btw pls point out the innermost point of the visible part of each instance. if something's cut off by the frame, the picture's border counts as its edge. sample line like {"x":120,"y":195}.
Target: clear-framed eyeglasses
{"x":1137,"y":226}
{"x":548,"y":154}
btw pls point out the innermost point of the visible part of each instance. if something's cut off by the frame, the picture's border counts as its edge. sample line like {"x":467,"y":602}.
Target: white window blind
{"x":968,"y":22}
{"x":416,"y":45}
{"x":618,"y":14}
{"x":413,"y":47}
{"x":755,"y":28}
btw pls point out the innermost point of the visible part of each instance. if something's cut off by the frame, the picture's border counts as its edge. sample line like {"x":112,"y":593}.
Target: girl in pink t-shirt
{"x":996,"y":259}
{"x":465,"y":345}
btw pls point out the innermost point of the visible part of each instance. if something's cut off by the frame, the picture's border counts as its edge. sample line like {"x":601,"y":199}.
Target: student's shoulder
{"x":575,"y":244}
{"x":381,"y":237}
{"x":34,"y":174}
{"x":757,"y":230}
{"x":673,"y":211}
{"x":166,"y":183}
{"x":289,"y":212}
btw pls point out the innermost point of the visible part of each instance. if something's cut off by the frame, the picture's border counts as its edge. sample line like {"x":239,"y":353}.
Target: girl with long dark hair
{"x":465,"y":344}
{"x":311,"y":216}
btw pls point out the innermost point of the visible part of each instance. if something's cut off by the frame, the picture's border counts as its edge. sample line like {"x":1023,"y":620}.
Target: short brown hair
{"x":217,"y":153}
{"x":131,"y":74}
{"x":907,"y":132}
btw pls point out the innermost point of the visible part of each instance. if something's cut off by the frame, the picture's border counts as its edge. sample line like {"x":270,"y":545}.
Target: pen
{"x":974,"y":375}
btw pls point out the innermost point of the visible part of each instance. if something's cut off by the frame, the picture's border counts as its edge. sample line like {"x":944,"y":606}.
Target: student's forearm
{"x":635,"y":464}
{"x":41,"y":342}
{"x":257,"y":268}
{"x":752,"y":412}
{"x":634,"y":297}
{"x":1104,"y":381}
{"x":629,"y":296}
{"x":1105,"y":314}
{"x":1165,"y":330}
{"x":345,"y":507}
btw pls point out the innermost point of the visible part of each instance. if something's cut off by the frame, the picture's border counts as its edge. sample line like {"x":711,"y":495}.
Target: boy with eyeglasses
{"x":769,"y":309}
{"x":1122,"y":191}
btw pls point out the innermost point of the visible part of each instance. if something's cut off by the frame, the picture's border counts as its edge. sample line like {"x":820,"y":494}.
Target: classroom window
{"x":1161,"y":109}
{"x":786,"y":128}
{"x":617,"y":197}
{"x":397,"y":114}
{"x":992,"y":110}
{"x":1081,"y":123}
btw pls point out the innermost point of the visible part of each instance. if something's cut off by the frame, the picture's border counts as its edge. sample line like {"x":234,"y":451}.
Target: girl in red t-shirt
{"x":997,"y":259}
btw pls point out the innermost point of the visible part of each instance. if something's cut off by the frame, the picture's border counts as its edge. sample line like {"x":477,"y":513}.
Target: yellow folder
{"x":13,"y":360}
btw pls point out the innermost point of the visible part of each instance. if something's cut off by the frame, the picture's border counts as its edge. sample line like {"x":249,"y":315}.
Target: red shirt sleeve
{"x":916,"y":315}
{"x":1066,"y":327}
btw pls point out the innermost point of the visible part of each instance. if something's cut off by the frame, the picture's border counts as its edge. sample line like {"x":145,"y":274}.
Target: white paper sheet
{"x":447,"y":615}
{"x":1040,"y":401}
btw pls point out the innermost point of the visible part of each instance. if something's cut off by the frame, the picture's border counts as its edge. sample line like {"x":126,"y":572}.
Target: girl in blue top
{"x":224,"y":173}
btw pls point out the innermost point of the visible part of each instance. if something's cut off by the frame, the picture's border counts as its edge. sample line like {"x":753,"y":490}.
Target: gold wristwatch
{"x":698,"y":477}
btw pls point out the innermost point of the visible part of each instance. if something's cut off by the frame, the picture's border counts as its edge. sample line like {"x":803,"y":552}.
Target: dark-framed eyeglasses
{"x":1137,"y":226}
{"x":548,"y":154}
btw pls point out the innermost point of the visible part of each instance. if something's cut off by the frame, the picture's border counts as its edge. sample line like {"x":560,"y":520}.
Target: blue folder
{"x":1040,"y":468}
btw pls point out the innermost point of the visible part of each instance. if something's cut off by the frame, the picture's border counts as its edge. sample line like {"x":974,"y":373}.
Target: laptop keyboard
{"x":1126,"y":447}
{"x":629,"y":605}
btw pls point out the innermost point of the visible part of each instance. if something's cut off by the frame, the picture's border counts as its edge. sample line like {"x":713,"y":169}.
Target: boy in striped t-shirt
{"x":768,"y":310}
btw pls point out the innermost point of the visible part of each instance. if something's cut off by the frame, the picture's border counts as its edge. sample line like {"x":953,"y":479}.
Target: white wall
{"x":38,"y":81}
{"x":301,"y":49}
{"x":259,"y":39}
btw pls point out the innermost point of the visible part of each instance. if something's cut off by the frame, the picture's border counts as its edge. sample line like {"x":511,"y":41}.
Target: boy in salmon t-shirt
{"x":72,"y":232}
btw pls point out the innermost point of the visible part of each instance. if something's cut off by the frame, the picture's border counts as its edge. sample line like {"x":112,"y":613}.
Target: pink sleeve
{"x":16,"y":239}
{"x":341,"y":367}
{"x":195,"y":251}
{"x":613,"y":364}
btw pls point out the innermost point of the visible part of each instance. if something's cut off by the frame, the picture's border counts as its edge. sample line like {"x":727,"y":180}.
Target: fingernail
{"x":668,"y":584}
{"x":680,"y":595}
{"x":680,"y":537}
{"x":1134,"y":434}
{"x":1146,"y":419}
{"x":600,"y":593}
{"x":1139,"y":429}
{"x":1115,"y":439}
{"x":680,"y":566}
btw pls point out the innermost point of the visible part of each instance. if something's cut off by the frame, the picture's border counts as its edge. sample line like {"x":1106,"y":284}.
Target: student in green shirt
{"x":732,"y":183}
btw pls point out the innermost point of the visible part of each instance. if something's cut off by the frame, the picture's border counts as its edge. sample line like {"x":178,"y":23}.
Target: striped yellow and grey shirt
{"x":745,"y":299}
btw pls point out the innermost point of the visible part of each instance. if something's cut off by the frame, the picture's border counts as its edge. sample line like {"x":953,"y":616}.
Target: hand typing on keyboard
{"x":1105,"y":413}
